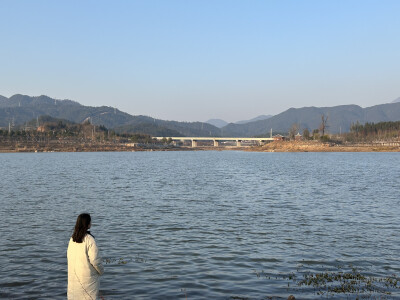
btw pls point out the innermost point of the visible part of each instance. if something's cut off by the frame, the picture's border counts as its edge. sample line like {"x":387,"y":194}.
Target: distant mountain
{"x":217,"y":122}
{"x":259,"y":118}
{"x":48,"y":119}
{"x":396,"y":100}
{"x":2,"y":99}
{"x":221,"y":123}
{"x":340,"y":118}
{"x":177,"y":128}
{"x":20,"y":109}
{"x":147,"y":128}
{"x":27,"y":101}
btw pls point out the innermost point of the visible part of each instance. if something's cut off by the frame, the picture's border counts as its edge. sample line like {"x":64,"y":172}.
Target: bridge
{"x":216,"y":140}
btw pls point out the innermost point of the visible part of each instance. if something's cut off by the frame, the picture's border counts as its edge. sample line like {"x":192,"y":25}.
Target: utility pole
{"x":271,"y":134}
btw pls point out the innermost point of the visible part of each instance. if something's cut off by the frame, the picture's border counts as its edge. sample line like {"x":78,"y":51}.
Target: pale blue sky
{"x":195,"y":60}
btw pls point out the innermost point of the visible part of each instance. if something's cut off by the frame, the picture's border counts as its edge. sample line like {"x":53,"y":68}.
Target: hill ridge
{"x":19,"y":109}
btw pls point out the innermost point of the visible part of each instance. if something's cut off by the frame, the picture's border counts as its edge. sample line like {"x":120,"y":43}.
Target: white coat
{"x":84,"y":269}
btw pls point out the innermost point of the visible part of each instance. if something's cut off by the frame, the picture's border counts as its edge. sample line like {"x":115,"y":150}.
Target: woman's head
{"x":83,"y":223}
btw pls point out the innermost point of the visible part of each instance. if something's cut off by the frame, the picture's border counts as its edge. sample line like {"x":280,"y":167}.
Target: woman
{"x":84,"y":262}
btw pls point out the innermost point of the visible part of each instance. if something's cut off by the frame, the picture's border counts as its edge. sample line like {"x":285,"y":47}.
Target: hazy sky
{"x":195,"y":60}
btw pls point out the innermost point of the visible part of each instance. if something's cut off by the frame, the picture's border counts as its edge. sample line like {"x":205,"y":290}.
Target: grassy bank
{"x":317,"y":146}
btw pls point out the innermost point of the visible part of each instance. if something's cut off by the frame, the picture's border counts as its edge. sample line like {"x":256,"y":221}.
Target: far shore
{"x":316,"y":146}
{"x":276,"y":146}
{"x":92,"y":148}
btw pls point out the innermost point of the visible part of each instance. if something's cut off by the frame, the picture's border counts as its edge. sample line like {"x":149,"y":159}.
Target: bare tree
{"x":324,"y":124}
{"x":293,"y":130}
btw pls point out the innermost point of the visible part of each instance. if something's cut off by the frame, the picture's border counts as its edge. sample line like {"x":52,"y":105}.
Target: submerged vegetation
{"x":339,"y":283}
{"x":122,"y":260}
{"x":334,"y":282}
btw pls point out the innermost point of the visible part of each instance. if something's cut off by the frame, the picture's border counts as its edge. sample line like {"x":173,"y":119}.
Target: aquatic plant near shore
{"x":348,"y":282}
{"x":351,"y":283}
{"x":123,"y":261}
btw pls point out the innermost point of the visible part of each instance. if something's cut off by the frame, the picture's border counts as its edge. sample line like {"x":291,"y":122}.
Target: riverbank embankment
{"x":76,"y":146}
{"x":276,"y":146}
{"x":317,"y":146}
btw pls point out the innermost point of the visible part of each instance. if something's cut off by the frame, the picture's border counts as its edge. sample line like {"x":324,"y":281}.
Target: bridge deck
{"x":184,"y":138}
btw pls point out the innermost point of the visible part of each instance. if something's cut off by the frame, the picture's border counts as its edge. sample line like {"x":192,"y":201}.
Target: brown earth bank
{"x":12,"y":147}
{"x":317,"y":146}
{"x":276,"y":146}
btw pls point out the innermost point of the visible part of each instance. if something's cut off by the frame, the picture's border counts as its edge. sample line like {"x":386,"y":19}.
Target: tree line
{"x":374,"y":131}
{"x":370,"y":131}
{"x":316,"y":134}
{"x":66,"y":130}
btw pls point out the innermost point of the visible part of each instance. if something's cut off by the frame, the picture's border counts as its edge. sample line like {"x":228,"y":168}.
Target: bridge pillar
{"x":194,"y":143}
{"x":216,"y":143}
{"x":238,"y":143}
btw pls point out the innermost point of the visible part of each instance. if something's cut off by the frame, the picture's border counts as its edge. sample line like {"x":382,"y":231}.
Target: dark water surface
{"x":200,"y":225}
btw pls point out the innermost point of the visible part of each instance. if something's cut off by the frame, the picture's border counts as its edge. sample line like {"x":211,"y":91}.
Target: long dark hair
{"x":81,"y":227}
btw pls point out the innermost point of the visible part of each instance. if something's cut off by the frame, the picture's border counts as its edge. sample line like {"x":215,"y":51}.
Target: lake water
{"x":198,"y":225}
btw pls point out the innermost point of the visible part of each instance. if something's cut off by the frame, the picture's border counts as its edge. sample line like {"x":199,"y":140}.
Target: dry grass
{"x":316,"y":146}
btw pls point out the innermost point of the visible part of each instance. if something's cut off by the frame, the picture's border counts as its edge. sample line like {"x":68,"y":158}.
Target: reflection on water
{"x":199,"y":225}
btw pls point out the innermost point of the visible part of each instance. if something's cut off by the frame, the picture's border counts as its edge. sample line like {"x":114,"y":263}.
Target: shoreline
{"x":276,"y":146}
{"x":316,"y":146}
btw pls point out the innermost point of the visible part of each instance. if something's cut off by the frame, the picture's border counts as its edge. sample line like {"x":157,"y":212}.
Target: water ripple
{"x":197,"y":224}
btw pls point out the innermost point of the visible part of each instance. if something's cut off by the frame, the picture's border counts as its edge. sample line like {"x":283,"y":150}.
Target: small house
{"x":279,"y":137}
{"x":41,"y":128}
{"x":298,"y":137}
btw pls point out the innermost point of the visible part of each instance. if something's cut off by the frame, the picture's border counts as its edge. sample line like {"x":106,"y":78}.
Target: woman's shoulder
{"x":89,"y":238}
